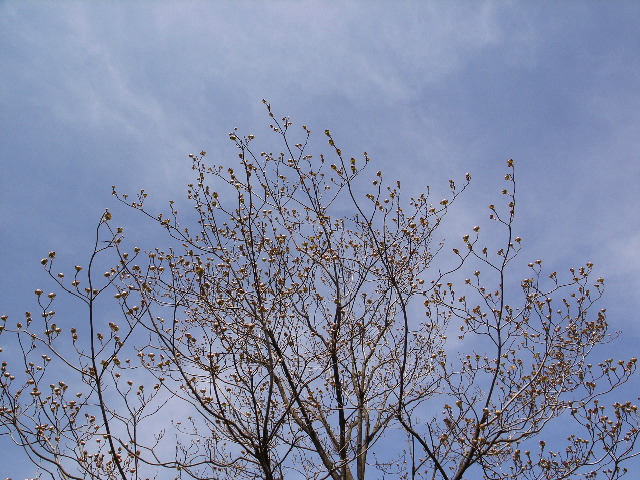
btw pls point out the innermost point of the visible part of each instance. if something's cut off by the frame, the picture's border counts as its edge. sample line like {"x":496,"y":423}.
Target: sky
{"x":95,"y":94}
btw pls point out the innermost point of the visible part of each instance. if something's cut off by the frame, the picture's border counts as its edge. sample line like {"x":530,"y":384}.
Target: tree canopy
{"x":295,"y":325}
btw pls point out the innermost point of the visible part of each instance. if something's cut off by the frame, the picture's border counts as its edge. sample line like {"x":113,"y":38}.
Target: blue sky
{"x":96,"y":94}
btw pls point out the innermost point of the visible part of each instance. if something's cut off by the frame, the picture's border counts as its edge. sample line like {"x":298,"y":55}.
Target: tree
{"x":295,"y":328}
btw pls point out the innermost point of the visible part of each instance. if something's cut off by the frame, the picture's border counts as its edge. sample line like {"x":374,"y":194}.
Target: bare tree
{"x":296,"y":327}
